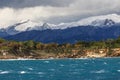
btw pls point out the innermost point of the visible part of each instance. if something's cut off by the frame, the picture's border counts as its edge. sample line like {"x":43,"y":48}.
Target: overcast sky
{"x":54,"y":11}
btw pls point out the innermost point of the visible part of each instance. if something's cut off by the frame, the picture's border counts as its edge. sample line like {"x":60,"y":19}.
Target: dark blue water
{"x":61,"y":69}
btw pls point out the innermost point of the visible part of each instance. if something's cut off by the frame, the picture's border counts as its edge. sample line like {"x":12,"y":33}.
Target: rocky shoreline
{"x":37,"y":50}
{"x":95,"y":53}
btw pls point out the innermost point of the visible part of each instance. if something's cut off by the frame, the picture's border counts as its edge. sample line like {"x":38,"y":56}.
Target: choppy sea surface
{"x":61,"y":69}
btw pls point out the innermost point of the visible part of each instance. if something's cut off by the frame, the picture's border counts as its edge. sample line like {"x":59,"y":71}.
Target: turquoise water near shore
{"x":61,"y":69}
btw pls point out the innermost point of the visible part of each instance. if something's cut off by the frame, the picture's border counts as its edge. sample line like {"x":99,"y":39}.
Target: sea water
{"x":61,"y":69}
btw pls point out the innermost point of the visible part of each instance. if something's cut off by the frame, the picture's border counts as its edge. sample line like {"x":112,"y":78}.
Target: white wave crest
{"x":99,"y":71}
{"x":22,"y":72}
{"x":4,"y":72}
{"x":118,"y":70}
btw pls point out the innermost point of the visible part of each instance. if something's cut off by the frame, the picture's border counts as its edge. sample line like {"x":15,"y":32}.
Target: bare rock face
{"x":115,"y":52}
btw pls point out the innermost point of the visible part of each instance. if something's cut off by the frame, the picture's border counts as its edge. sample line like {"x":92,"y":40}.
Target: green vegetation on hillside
{"x":34,"y":49}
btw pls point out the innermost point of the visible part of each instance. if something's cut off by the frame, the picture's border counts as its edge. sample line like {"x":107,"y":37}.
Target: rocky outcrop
{"x":115,"y":52}
{"x":86,"y":53}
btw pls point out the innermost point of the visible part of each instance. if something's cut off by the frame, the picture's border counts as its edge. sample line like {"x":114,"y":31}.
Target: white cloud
{"x":9,"y":16}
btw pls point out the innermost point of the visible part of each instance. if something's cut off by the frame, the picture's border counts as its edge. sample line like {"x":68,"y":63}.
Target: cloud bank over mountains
{"x":54,"y":11}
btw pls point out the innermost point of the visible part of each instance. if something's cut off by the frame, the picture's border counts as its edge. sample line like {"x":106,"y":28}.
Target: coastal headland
{"x":36,"y":50}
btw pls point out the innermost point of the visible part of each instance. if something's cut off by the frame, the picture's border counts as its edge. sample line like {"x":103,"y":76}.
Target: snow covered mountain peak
{"x":103,"y":20}
{"x":100,"y":19}
{"x":106,"y":22}
{"x":28,"y":25}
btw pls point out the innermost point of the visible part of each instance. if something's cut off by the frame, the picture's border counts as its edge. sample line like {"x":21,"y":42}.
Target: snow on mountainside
{"x":100,"y":20}
{"x":97,"y":21}
{"x":28,"y":25}
{"x":104,"y":20}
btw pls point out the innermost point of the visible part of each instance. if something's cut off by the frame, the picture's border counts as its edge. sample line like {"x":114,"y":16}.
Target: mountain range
{"x":89,"y":29}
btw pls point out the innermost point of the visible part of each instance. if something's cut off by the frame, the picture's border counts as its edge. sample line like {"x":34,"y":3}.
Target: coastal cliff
{"x":4,"y":54}
{"x":37,"y":50}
